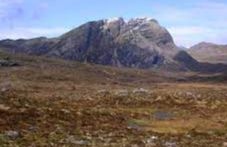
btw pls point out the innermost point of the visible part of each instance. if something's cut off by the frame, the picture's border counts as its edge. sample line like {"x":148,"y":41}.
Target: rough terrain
{"x":57,"y":103}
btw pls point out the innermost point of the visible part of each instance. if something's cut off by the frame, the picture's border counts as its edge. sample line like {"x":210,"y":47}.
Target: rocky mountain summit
{"x":140,"y":43}
{"x":209,"y":52}
{"x":134,"y":43}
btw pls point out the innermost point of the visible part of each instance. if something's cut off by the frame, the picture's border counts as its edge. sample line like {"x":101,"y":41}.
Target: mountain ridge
{"x":134,"y":43}
{"x":209,"y":52}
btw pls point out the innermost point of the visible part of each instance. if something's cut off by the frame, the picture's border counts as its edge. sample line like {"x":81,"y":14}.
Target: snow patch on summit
{"x":133,"y":20}
{"x":114,"y":19}
{"x":145,"y":18}
{"x":142,"y":20}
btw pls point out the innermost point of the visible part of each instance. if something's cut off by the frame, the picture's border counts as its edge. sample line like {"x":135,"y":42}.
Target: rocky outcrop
{"x":140,"y":43}
{"x":8,"y":63}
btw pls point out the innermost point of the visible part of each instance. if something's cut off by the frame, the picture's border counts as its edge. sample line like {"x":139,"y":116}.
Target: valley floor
{"x":75,"y":105}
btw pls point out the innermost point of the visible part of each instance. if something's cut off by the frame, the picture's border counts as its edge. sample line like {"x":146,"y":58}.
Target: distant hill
{"x":209,"y":52}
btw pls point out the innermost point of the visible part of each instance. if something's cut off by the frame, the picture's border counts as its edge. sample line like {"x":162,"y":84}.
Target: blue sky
{"x":189,"y":22}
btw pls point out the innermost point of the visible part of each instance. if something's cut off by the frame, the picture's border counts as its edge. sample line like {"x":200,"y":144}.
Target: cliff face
{"x":140,"y":43}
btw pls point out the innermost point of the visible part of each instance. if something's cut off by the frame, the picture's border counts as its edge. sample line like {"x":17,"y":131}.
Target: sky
{"x":189,"y":21}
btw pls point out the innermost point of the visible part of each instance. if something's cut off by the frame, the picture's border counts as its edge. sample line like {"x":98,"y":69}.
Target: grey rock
{"x":163,"y":115}
{"x":140,"y":91}
{"x":170,"y":144}
{"x":8,"y":63}
{"x":122,"y":92}
{"x":12,"y":134}
{"x":33,"y":129}
{"x":103,"y":92}
{"x":134,"y":127}
{"x":151,"y":141}
{"x":73,"y":140}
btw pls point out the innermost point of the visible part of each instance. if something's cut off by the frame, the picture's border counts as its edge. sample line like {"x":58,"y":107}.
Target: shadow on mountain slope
{"x":193,"y":65}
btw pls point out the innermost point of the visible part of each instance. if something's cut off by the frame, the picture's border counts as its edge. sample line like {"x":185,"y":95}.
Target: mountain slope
{"x":208,"y":52}
{"x":137,"y":43}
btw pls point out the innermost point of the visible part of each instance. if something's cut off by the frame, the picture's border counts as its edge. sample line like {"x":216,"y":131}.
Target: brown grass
{"x":51,"y":101}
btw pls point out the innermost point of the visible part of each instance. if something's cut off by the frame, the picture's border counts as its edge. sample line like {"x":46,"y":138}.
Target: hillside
{"x":136,"y":43}
{"x":53,"y":102}
{"x":210,"y":53}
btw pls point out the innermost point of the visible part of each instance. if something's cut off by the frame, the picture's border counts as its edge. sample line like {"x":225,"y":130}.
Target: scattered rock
{"x":163,"y":115}
{"x":122,"y":93}
{"x":8,"y":63}
{"x":170,"y":144}
{"x":4,"y":108}
{"x":154,"y":138}
{"x":134,"y":127}
{"x":150,"y":142}
{"x":33,"y":129}
{"x":224,"y":144}
{"x":103,"y":92}
{"x":189,"y":94}
{"x":140,"y":91}
{"x":65,"y":111}
{"x":12,"y":134}
{"x":72,"y":140}
{"x":188,"y":136}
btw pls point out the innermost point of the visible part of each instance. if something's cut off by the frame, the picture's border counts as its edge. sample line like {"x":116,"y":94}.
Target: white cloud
{"x":187,"y":30}
{"x":27,"y":33}
{"x":189,"y":22}
{"x":193,"y":11}
{"x":195,"y":21}
{"x":190,"y":35}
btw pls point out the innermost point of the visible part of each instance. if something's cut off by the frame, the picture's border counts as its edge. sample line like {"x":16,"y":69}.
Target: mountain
{"x":136,"y":43}
{"x":208,"y":52}
{"x":139,"y":43}
{"x":36,"y":46}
